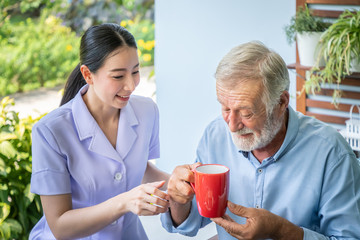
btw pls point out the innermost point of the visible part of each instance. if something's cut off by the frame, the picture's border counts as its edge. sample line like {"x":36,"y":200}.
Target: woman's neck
{"x":103,"y":114}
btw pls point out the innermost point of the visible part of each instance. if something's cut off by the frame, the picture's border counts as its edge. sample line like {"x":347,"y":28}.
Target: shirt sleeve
{"x":154,"y":148}
{"x":50,"y":175}
{"x":190,"y":226}
{"x":340,"y":200}
{"x":312,"y":235}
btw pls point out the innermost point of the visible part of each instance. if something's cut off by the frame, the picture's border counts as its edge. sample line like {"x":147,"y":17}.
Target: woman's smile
{"x":123,"y":98}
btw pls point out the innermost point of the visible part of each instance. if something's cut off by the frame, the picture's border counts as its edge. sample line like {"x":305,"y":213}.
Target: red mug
{"x":211,"y":188}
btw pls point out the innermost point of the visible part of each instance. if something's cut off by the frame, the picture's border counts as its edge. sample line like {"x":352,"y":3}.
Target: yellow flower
{"x":130,"y":22}
{"x":139,"y":52}
{"x":140,"y":43}
{"x":148,"y":45}
{"x":144,"y":29}
{"x":69,"y":47}
{"x":123,"y":23}
{"x":51,"y":20}
{"x":147,"y":57}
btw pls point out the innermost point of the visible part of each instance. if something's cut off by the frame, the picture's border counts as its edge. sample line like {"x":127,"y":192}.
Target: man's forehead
{"x":242,"y":92}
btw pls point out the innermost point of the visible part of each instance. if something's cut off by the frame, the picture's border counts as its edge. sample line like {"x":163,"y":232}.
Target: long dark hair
{"x":96,"y":44}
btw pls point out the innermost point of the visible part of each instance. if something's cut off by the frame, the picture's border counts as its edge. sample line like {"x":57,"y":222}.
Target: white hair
{"x":254,"y":61}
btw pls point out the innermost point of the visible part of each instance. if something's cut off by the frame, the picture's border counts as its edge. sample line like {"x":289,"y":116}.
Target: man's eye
{"x":249,"y":115}
{"x":118,"y":77}
{"x":136,"y":72}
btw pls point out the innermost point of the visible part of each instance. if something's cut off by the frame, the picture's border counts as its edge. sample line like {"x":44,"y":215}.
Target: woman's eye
{"x":136,"y":72}
{"x":118,"y":77}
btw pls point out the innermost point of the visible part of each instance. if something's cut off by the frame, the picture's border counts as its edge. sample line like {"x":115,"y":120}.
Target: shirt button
{"x":257,"y":206}
{"x":114,"y":222}
{"x":260,"y":170}
{"x":118,"y":176}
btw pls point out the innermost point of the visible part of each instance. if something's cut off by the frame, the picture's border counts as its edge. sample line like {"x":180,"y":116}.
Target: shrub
{"x":19,"y":209}
{"x":36,"y":53}
{"x":144,"y":33}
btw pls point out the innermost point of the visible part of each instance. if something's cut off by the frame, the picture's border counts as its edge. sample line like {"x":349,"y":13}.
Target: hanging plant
{"x":340,"y":45}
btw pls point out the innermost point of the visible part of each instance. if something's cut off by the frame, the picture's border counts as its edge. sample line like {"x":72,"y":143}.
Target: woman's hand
{"x":147,"y":199}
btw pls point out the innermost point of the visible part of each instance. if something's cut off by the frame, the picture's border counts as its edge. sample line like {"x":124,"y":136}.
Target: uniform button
{"x":118,"y":176}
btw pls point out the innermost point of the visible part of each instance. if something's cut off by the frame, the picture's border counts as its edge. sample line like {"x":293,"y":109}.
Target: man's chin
{"x":243,"y":147}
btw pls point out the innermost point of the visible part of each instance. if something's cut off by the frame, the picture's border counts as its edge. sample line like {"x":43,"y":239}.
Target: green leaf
{"x":5,"y":231}
{"x":29,"y":195}
{"x":2,"y":165}
{"x":14,"y":225}
{"x":7,"y":149}
{"x":4,"y":211}
{"x":4,"y":136}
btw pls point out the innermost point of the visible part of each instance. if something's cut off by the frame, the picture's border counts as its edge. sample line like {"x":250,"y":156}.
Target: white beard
{"x":271,"y":128}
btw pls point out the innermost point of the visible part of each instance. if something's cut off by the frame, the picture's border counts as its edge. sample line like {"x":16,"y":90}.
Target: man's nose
{"x":235,"y":122}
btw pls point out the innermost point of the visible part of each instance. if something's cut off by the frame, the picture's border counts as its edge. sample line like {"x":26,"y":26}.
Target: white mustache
{"x":243,"y":131}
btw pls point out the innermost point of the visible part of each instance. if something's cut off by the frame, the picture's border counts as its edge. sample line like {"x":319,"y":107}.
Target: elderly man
{"x":291,"y":176}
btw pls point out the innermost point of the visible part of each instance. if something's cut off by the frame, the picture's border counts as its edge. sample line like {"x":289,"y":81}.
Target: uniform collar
{"x":87,"y":127}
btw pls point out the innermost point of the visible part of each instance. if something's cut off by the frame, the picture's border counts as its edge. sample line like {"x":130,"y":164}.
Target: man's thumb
{"x":194,"y":165}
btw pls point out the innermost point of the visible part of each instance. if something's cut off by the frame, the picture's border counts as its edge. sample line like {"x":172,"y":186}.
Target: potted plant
{"x":306,"y":29}
{"x":340,"y":45}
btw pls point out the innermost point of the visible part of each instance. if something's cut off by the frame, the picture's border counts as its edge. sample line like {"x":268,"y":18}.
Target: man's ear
{"x":87,"y":75}
{"x":284,"y":100}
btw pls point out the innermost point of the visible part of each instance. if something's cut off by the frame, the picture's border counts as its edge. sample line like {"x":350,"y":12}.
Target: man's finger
{"x":231,"y":226}
{"x":237,"y":209}
{"x":227,"y":217}
{"x":220,"y":221}
{"x":194,"y":165}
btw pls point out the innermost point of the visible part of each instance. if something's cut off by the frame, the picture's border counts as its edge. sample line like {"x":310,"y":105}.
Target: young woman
{"x":90,"y":156}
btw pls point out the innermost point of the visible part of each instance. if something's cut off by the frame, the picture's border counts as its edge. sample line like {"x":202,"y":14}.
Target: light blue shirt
{"x":313,"y":180}
{"x":71,"y":154}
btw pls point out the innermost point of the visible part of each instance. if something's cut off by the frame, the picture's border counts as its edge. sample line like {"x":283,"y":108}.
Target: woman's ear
{"x":87,"y":75}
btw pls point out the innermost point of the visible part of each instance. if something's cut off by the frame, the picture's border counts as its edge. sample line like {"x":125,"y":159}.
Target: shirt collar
{"x":87,"y":127}
{"x":291,"y":133}
{"x":84,"y":121}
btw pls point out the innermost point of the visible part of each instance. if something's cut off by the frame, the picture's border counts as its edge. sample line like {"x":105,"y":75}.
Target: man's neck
{"x":275,"y":144}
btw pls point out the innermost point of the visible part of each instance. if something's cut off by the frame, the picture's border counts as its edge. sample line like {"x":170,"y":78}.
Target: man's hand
{"x":180,"y":192}
{"x":179,"y":187}
{"x":260,"y":224}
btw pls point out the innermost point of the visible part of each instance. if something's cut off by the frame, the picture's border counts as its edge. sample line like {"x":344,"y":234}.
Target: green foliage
{"x":143,"y":31}
{"x":29,"y":8}
{"x":80,"y":15}
{"x":42,"y":51}
{"x":19,"y":209}
{"x":303,"y":21}
{"x":340,"y":44}
{"x":34,"y":52}
{"x":135,"y":15}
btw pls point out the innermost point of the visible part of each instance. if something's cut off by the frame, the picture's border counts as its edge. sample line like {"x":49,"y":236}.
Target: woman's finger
{"x":150,"y":208}
{"x":154,"y":200}
{"x":160,"y":194}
